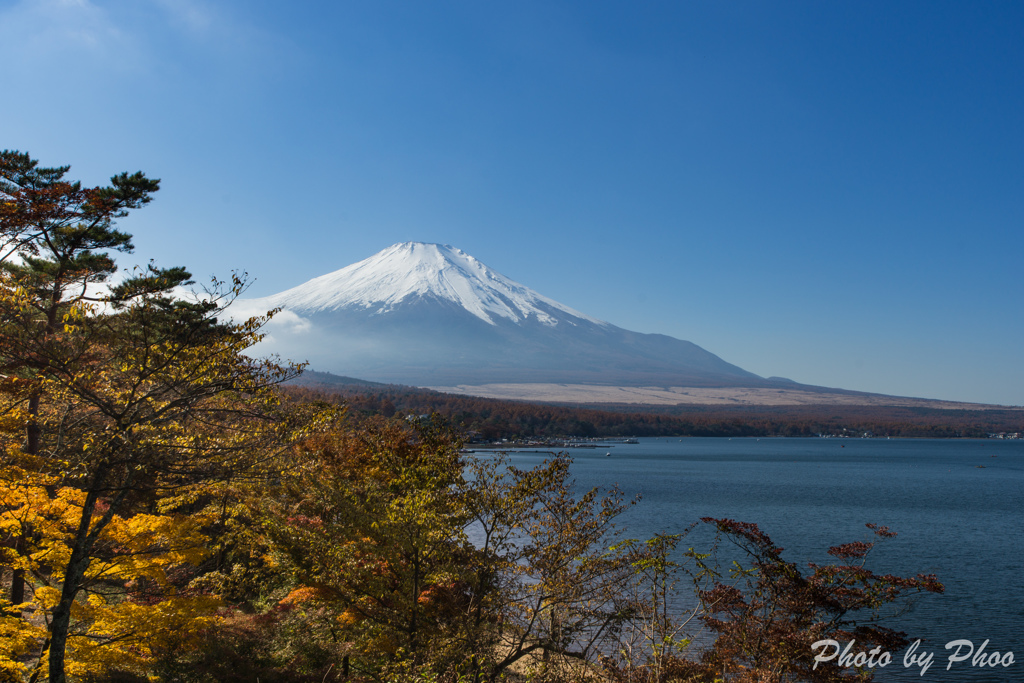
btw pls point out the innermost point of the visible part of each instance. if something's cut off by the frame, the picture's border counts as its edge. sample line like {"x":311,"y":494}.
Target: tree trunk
{"x":33,"y":433}
{"x":18,"y":575}
{"x":61,"y":616}
{"x":74,"y":573}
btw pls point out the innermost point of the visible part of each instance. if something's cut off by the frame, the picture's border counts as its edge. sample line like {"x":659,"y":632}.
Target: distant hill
{"x":313,"y":378}
{"x":491,"y":419}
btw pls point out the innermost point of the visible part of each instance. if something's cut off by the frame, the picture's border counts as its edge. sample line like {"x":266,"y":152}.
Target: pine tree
{"x":131,"y":404}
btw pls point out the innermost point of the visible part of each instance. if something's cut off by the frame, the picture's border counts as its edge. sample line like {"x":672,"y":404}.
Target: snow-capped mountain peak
{"x":415,"y":269}
{"x":430,"y":314}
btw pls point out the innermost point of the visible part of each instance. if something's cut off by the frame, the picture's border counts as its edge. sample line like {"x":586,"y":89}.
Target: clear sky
{"x":827,"y":191}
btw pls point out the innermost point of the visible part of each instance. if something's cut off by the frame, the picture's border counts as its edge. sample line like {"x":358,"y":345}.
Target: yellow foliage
{"x":129,"y":634}
{"x":118,"y":626}
{"x":17,"y":638}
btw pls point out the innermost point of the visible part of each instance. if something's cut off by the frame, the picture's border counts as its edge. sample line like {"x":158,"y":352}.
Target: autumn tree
{"x":661,"y":614}
{"x":554,"y":577}
{"x":409,"y":557}
{"x":372,"y":523}
{"x":131,"y":403}
{"x":766,"y":612}
{"x":50,"y":231}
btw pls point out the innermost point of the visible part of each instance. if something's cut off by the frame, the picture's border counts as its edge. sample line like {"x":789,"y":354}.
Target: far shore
{"x":666,"y":396}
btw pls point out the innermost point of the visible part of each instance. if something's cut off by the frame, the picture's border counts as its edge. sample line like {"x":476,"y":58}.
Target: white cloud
{"x":75,"y":33}
{"x":60,"y":24}
{"x":195,"y":17}
{"x":290,"y":322}
{"x":283,"y":321}
{"x":71,"y":31}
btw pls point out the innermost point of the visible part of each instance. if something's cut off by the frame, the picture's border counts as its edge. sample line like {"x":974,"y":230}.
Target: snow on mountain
{"x":414,"y":269}
{"x":430,"y":314}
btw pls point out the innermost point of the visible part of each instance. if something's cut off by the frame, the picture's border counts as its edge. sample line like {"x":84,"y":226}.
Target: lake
{"x":956,"y":505}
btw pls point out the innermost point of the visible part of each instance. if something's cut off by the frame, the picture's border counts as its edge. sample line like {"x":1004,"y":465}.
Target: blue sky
{"x":831,"y":192}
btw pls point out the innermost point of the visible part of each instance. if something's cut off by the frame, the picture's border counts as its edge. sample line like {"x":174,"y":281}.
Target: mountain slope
{"x":426,"y":314}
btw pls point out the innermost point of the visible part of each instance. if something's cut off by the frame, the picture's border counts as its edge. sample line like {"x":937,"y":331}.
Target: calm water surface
{"x":953,"y":518}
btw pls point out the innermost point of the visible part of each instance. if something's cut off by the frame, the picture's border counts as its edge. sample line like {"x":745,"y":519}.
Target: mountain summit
{"x":430,"y":314}
{"x":414,"y":270}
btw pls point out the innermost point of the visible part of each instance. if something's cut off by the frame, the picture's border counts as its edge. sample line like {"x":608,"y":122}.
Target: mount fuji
{"x":430,"y":314}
